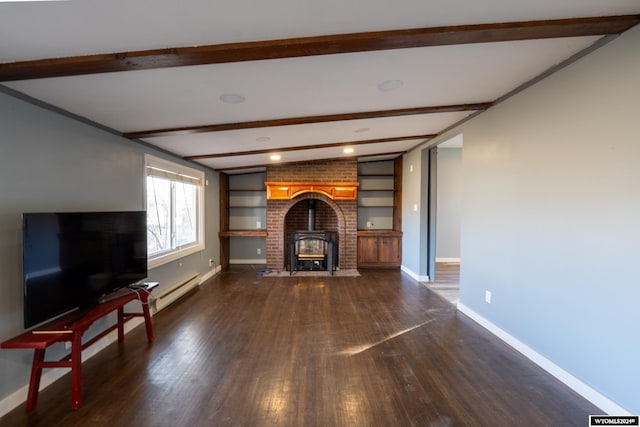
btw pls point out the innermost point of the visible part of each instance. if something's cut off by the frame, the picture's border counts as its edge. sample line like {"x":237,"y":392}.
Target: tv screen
{"x":73,"y":260}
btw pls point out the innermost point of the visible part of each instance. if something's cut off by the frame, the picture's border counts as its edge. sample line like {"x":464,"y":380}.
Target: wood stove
{"x":311,"y":249}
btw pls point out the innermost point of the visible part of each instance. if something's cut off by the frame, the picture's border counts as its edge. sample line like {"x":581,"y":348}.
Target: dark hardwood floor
{"x":246,"y":350}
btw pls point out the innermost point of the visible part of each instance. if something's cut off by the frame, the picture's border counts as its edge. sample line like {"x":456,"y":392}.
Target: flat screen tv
{"x":74,"y":260}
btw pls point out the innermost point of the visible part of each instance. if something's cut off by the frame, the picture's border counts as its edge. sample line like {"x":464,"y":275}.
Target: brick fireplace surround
{"x":343,"y":170}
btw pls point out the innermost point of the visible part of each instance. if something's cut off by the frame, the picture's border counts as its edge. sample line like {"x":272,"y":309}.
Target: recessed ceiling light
{"x":232,"y":98}
{"x":348,"y":150}
{"x":362,"y":130}
{"x":263,"y":139}
{"x":275,"y":157}
{"x":389,"y":85}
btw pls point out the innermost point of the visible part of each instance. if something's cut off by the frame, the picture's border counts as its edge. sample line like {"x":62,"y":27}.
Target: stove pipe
{"x":311,"y":219}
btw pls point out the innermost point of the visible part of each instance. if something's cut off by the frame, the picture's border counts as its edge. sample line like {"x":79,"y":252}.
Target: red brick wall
{"x":320,"y":171}
{"x":340,"y":216}
{"x":298,"y":216}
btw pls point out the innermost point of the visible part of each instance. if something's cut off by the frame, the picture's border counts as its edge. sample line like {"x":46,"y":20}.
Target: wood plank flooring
{"x":247,"y":350}
{"x":447,"y":281}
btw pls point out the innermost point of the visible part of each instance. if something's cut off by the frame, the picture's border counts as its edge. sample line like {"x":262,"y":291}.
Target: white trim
{"x":247,"y":261}
{"x":448,"y":260}
{"x":156,"y":260}
{"x":158,"y":163}
{"x":593,"y":396}
{"x":49,"y":376}
{"x":413,"y":275}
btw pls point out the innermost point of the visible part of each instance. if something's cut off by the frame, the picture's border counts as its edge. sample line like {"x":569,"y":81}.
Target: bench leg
{"x":121,"y":324}
{"x":147,"y":317}
{"x":76,"y":371}
{"x":34,"y":383}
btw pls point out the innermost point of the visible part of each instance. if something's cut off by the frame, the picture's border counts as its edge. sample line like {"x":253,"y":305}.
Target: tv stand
{"x":71,"y":328}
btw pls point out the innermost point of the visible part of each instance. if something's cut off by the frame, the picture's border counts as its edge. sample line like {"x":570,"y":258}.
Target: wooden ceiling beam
{"x":312,"y":46}
{"x":306,"y":120}
{"x":264,"y":165}
{"x":309,"y":147}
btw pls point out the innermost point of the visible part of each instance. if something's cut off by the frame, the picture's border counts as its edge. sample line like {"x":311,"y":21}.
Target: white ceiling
{"x":274,"y":89}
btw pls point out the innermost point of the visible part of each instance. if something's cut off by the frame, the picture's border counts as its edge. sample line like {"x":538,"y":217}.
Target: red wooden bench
{"x":69,"y":328}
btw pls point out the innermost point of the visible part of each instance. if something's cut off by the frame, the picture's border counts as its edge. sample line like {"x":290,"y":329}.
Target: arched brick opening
{"x":276,"y":214}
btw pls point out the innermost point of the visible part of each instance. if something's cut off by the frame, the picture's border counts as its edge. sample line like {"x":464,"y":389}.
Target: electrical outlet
{"x":258,"y":225}
{"x":210,"y":263}
{"x":487,"y":297}
{"x":67,"y":345}
{"x":259,"y":251}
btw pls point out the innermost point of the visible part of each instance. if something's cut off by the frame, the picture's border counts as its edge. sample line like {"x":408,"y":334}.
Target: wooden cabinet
{"x":379,"y":249}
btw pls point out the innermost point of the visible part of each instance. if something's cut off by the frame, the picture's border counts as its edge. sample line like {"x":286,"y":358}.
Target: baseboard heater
{"x":175,"y":291}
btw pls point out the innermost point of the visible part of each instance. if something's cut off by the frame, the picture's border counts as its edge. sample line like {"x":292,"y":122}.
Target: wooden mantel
{"x":333,"y":190}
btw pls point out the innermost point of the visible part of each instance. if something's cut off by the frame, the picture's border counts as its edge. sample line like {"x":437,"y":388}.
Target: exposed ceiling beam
{"x":309,"y":147}
{"x":306,"y":120}
{"x":390,"y":153}
{"x":237,"y":168}
{"x":312,"y":46}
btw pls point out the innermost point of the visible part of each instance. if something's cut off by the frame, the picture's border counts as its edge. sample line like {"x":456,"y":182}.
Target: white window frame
{"x":177,"y":173}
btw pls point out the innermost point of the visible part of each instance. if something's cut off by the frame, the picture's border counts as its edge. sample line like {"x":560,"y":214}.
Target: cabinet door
{"x":389,"y":250}
{"x":367,"y":250}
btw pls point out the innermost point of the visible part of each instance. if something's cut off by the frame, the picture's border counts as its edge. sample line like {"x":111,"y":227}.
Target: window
{"x":175,"y":214}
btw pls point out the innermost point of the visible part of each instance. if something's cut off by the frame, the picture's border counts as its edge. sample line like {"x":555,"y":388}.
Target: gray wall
{"x":551,"y":201}
{"x":449,"y":184}
{"x":550,"y":208}
{"x":49,"y":162}
{"x":412,"y":187}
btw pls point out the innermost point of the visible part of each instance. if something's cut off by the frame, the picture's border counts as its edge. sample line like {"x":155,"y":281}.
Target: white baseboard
{"x":448,"y":260}
{"x":413,"y":275}
{"x":593,"y":396}
{"x":50,"y":376}
{"x":247,"y":261}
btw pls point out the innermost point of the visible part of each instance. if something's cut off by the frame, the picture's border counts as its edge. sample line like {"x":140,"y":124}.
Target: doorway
{"x":448,"y":182}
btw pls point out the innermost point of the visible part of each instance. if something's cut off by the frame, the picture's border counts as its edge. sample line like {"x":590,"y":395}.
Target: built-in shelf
{"x":379,"y":233}
{"x":243,"y":216}
{"x":379,"y":194}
